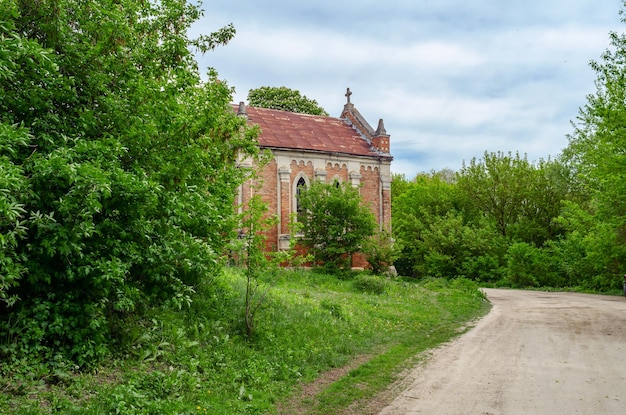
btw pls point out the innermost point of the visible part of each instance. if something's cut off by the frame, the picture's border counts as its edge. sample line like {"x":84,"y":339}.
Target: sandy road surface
{"x":534,"y":353}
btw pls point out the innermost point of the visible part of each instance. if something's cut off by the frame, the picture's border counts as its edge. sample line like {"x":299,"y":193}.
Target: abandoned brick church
{"x":310,"y":147}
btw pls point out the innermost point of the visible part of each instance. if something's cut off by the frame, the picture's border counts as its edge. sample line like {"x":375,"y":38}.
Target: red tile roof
{"x":289,"y":130}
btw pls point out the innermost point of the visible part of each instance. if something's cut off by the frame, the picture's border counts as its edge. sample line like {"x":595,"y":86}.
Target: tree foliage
{"x":518,"y":198}
{"x":433,"y":224}
{"x":117,"y":168}
{"x":464,"y":226}
{"x":597,"y":154}
{"x":335,"y":222}
{"x":283,"y":98}
{"x":498,"y":187}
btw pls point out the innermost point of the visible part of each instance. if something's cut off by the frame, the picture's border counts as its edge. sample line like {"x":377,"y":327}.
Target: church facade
{"x":307,"y":148}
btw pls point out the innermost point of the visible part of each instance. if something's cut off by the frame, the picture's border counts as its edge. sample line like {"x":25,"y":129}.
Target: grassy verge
{"x":199,"y":360}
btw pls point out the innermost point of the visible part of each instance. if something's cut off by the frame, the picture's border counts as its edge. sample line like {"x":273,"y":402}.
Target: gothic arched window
{"x":301,"y":184}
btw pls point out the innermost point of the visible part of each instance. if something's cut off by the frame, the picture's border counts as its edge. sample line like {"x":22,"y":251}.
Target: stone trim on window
{"x":301,"y":180}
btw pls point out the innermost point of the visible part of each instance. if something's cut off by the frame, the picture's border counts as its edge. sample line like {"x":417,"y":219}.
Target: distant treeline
{"x":505,"y":220}
{"x":510,"y":222}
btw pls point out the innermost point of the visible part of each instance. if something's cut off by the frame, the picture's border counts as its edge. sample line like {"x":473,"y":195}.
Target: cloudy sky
{"x":451,"y":78}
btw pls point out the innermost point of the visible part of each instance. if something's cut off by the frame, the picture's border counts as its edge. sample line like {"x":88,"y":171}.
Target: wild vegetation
{"x":471,"y":223}
{"x":118,"y":171}
{"x":200,"y":359}
{"x":505,"y":221}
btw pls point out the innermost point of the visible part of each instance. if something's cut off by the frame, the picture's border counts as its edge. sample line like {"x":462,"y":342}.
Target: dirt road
{"x":534,"y":353}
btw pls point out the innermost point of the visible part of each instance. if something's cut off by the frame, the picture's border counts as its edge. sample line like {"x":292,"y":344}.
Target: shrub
{"x":529,"y":266}
{"x":372,"y":284}
{"x":336,"y":223}
{"x":522,"y":265}
{"x":381,"y":251}
{"x":120,"y":170}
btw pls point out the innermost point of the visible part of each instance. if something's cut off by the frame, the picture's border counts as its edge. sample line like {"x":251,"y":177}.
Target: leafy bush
{"x":483,"y":268}
{"x":529,"y":266}
{"x":335,"y":222}
{"x":121,"y":169}
{"x":372,"y":284}
{"x":522,"y":265}
{"x":381,"y":251}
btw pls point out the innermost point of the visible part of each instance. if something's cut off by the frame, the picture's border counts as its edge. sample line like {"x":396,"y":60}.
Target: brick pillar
{"x":386,"y":203}
{"x":355,"y":179}
{"x":284,"y":206}
{"x":320,"y":175}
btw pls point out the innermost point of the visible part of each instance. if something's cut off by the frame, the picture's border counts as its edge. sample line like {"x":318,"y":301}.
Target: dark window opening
{"x":299,"y":186}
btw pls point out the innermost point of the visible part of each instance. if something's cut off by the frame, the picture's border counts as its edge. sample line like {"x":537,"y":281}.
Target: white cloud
{"x":301,"y":48}
{"x":451,"y":79}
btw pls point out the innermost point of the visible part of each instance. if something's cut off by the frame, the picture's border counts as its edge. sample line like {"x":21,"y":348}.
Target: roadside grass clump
{"x":372,"y":284}
{"x":201,"y":360}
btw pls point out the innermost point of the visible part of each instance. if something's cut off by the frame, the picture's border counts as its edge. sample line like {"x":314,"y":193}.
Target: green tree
{"x":520,"y":199}
{"x":497,"y":186}
{"x":597,"y":155}
{"x":283,"y":98}
{"x":399,"y":185}
{"x":249,"y":246}
{"x":125,"y":164}
{"x":335,"y":222}
{"x":548,"y":188}
{"x":423,"y":202}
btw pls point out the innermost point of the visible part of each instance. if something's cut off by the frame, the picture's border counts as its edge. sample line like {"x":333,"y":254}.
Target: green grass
{"x":199,"y":360}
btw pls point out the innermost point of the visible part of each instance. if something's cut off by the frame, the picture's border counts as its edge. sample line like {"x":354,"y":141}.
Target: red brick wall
{"x":270,"y":196}
{"x":306,"y":168}
{"x":266,"y":186}
{"x":285,"y":203}
{"x":381,"y":142}
{"x":336,"y":171}
{"x":370,"y":186}
{"x":277,"y":193}
{"x":387,"y":209}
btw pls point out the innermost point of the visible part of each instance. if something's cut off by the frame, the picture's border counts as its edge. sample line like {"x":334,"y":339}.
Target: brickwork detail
{"x":368,"y":170}
{"x":277,"y":186}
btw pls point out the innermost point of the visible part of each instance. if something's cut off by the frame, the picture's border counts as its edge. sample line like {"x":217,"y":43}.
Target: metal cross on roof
{"x":348,"y":93}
